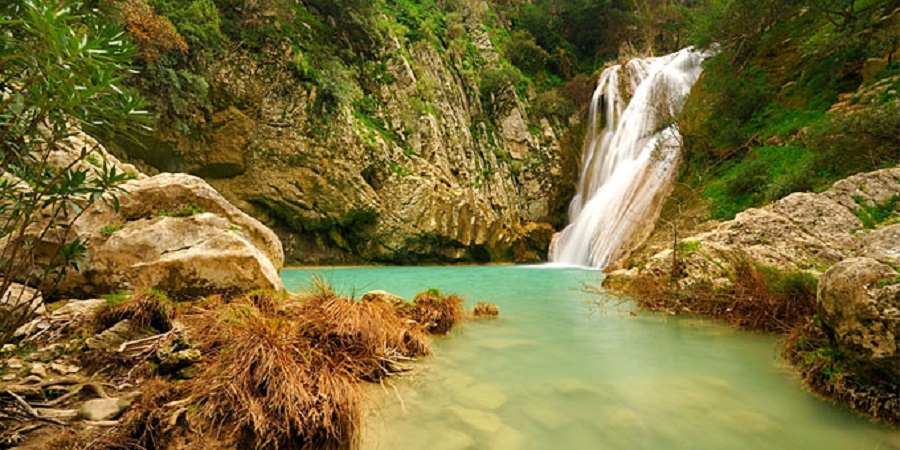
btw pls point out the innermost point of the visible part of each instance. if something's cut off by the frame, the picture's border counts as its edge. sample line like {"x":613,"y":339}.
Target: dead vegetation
{"x":148,"y":309}
{"x":485,"y":309}
{"x":759,"y":297}
{"x":277,"y":371}
{"x":437,"y":312}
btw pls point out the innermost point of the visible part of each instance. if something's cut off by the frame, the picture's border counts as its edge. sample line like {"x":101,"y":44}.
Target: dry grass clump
{"x":485,"y":309}
{"x":69,"y":438}
{"x":367,"y":337}
{"x":272,"y":389}
{"x":286,"y":375}
{"x":760,"y":298}
{"x":147,"y":309}
{"x":436,"y":312}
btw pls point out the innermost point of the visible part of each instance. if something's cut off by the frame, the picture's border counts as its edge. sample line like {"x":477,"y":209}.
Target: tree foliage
{"x":62,"y":69}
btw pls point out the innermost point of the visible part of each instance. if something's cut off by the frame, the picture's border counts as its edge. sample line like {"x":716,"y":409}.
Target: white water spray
{"x":630,"y":158}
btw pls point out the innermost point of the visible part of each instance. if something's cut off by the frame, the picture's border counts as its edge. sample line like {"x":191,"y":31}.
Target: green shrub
{"x":198,"y":21}
{"x":64,"y":68}
{"x":523,"y":52}
{"x":791,"y":283}
{"x":186,"y":210}
{"x":874,"y":215}
{"x":495,"y":81}
{"x":108,"y":230}
{"x":688,"y":246}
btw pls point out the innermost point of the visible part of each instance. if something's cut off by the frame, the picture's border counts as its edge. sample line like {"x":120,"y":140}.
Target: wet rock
{"x":501,"y":344}
{"x":571,"y":386}
{"x":622,"y":418}
{"x":103,"y":409}
{"x":508,"y":438}
{"x":545,"y":417}
{"x":485,"y":309}
{"x":859,"y":304}
{"x":451,"y":440}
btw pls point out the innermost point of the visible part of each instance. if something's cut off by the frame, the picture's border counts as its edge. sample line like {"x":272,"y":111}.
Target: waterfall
{"x":629,"y":160}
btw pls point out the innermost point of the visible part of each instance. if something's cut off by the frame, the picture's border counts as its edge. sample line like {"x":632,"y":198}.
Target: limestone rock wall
{"x":427,"y":172}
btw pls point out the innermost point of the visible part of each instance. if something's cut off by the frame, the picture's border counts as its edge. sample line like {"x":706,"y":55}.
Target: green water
{"x":557,"y":373}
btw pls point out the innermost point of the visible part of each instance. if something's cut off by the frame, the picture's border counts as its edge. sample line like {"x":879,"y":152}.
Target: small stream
{"x":557,"y":372}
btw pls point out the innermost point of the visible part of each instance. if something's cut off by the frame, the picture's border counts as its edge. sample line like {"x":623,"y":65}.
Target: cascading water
{"x":630,"y":158}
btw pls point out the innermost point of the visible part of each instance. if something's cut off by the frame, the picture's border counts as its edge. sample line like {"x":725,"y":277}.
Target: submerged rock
{"x":474,"y":419}
{"x":485,"y":309}
{"x":484,"y":396}
{"x":859,"y":304}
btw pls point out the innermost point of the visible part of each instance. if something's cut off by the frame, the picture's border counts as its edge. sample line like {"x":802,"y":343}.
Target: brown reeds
{"x":271,"y":389}
{"x":485,"y":309}
{"x":147,"y":309}
{"x":436,"y":312}
{"x":286,"y":375}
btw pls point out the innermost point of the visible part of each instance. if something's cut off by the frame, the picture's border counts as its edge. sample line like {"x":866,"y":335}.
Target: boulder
{"x":174,"y":233}
{"x":883,"y":245}
{"x":859,"y":304}
{"x":821,"y":217}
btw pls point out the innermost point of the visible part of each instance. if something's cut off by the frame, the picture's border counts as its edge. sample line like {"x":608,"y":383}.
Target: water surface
{"x":556,"y":372}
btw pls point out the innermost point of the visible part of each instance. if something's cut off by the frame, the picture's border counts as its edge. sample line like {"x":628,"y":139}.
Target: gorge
{"x":449,"y":224}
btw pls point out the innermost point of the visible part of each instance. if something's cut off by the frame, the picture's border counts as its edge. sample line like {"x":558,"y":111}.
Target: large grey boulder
{"x":174,"y":233}
{"x":859,"y":304}
{"x":171,"y":232}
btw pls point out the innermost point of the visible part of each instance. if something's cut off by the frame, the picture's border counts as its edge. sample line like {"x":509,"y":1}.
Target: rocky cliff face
{"x":419,"y":168}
